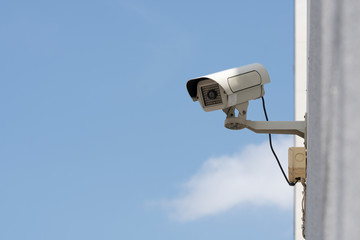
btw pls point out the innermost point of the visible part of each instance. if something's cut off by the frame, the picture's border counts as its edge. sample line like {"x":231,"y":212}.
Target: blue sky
{"x":100,"y":140}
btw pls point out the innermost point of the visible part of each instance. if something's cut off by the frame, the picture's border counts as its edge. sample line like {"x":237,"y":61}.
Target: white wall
{"x":333,"y":191}
{"x":300,"y":77}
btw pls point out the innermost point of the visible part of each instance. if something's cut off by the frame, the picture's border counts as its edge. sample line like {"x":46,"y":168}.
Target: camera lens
{"x":212,"y":94}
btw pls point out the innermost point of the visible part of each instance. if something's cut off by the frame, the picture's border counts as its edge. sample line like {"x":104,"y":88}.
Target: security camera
{"x":229,"y":88}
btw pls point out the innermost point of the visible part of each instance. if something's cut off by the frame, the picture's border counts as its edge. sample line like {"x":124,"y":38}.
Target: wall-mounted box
{"x":297,"y":163}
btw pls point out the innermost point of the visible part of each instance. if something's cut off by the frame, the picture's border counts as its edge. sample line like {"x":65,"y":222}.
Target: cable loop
{"x":272,"y":149}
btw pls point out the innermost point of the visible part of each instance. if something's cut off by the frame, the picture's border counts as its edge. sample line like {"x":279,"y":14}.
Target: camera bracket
{"x":234,"y":122}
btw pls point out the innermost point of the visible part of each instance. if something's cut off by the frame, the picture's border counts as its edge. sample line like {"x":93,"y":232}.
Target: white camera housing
{"x":229,"y":88}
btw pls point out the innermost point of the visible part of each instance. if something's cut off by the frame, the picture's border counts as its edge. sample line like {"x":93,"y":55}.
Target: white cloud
{"x":251,"y":176}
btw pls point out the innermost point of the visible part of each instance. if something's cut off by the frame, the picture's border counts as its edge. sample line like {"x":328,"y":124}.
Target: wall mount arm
{"x":278,"y":127}
{"x":269,"y":127}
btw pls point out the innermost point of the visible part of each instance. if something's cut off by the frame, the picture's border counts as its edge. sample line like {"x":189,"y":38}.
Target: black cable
{"x":272,"y":149}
